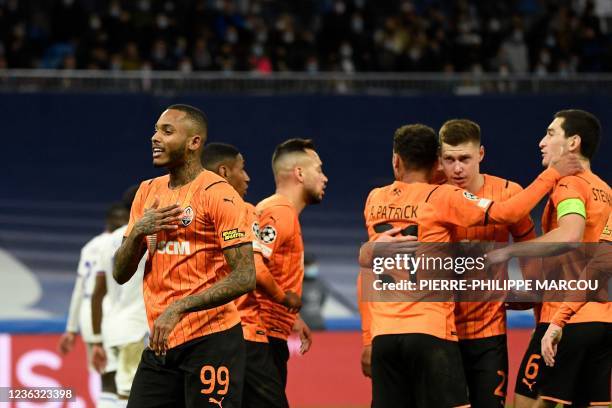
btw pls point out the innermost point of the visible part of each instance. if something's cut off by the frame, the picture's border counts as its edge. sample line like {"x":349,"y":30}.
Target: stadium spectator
{"x":341,"y":35}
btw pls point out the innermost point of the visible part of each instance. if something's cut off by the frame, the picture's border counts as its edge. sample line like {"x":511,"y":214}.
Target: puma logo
{"x":214,"y":401}
{"x":530,"y":385}
{"x":229,"y":200}
{"x":563,"y":185}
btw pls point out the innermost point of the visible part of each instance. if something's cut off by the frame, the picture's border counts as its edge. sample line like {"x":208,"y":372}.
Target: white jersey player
{"x":124,"y":324}
{"x":79,"y":315}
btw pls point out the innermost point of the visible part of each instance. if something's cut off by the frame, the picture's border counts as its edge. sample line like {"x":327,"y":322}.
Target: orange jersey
{"x":283,"y":251}
{"x":190,"y":259}
{"x":437,"y":209}
{"x":477,"y":320}
{"x":600,"y":264}
{"x":248,"y":306}
{"x":595,"y":194}
{"x":399,"y":205}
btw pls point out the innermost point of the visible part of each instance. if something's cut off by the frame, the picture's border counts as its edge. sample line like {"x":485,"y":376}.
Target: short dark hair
{"x":195,"y":115}
{"x":216,"y":153}
{"x":291,"y":146}
{"x":583,"y":124}
{"x":417,"y":146}
{"x":458,"y":131}
{"x":116,"y":210}
{"x":128,"y":196}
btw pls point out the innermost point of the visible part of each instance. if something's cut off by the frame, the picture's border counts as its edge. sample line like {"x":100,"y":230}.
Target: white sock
{"x":106,"y":400}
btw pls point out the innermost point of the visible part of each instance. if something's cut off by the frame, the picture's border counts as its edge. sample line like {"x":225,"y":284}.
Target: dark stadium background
{"x":82,"y":83}
{"x":66,"y":156}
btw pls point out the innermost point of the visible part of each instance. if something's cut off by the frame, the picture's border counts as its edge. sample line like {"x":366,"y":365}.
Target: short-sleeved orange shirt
{"x":190,"y":259}
{"x":476,"y":320}
{"x":400,"y":205}
{"x":595,"y":194}
{"x":436,"y":209}
{"x":253,"y":328}
{"x":280,"y":237}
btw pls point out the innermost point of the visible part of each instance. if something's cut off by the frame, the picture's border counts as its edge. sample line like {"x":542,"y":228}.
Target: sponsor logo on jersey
{"x":174,"y":248}
{"x":232,"y":234}
{"x":187,"y":216}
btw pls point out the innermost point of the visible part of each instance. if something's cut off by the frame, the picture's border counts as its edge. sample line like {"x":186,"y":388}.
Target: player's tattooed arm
{"x":133,"y":247}
{"x":127,"y":257}
{"x":240,"y":280}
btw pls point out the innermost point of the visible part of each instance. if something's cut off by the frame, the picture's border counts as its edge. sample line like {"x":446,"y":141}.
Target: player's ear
{"x":395,"y":161}
{"x":481,"y":153}
{"x":222,"y":171}
{"x":574,"y":144}
{"x":196,"y":142}
{"x":298,"y":172}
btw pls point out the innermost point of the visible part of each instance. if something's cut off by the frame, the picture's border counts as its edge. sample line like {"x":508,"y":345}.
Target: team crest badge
{"x":187,"y":216}
{"x":470,"y":196}
{"x":267,"y":234}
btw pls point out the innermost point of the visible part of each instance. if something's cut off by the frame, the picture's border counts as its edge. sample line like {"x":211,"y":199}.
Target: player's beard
{"x":176,"y":158}
{"x":313,"y":197}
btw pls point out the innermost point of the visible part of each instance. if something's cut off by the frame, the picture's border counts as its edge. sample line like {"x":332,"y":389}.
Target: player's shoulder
{"x":249,"y":206}
{"x":149,"y":185}
{"x":153,"y":182}
{"x":112,"y":241}
{"x":399,"y":189}
{"x":502,"y":183}
{"x":95,"y":243}
{"x":275,"y":201}
{"x":433,"y":192}
{"x":581,"y":182}
{"x":373,"y":193}
{"x":595,"y":180}
{"x":210,"y":181}
{"x":276,"y":206}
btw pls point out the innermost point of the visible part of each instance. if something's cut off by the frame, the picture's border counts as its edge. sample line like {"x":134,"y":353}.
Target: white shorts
{"x":127,"y":357}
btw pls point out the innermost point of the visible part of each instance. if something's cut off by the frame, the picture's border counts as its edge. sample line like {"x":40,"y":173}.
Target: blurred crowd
{"x":510,"y":36}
